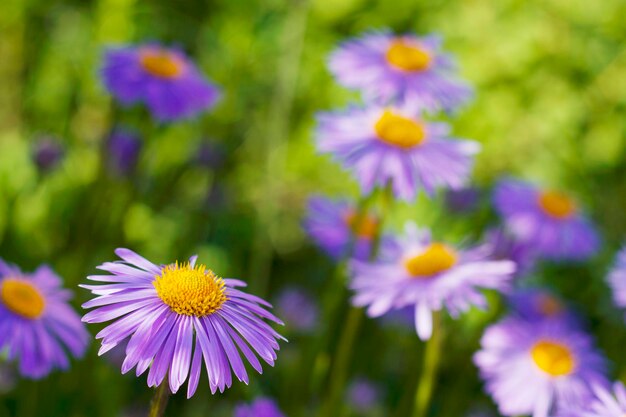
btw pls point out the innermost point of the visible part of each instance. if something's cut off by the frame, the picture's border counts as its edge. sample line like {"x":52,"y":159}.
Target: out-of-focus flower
{"x":363,"y":394}
{"x":210,"y":155}
{"x":163,"y":309}
{"x":463,"y":200}
{"x":428,"y":275}
{"x":163,"y":79}
{"x":537,"y":305}
{"x":261,"y":407}
{"x":332,"y":225}
{"x":298,"y":309}
{"x":37,"y":325}
{"x":538,"y":367}
{"x":504,"y":246}
{"x":123,"y":148}
{"x":549,"y":221}
{"x":617,"y":279}
{"x":605,"y":404}
{"x":391,"y":144}
{"x":388,"y":68}
{"x":47,"y":153}
{"x":8,"y":377}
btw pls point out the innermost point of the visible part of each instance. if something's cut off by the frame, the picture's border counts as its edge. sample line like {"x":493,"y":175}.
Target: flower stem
{"x":428,"y":376}
{"x":159,"y":400}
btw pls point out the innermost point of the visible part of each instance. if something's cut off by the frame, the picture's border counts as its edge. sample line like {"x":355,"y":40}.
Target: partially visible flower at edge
{"x":260,"y":407}
{"x":298,"y":309}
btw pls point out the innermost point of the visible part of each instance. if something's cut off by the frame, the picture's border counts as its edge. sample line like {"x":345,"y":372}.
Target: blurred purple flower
{"x":37,"y":325}
{"x":331,"y":225}
{"x":549,"y":221}
{"x":537,"y":368}
{"x":428,"y":276}
{"x":123,"y":148}
{"x":163,"y":309}
{"x":617,"y":279}
{"x":382,"y":144}
{"x":389,"y":68}
{"x":607,"y":403}
{"x":164,"y":79}
{"x":363,"y":394}
{"x":463,"y":200}
{"x":504,"y":246}
{"x":210,"y":155}
{"x":298,"y":309}
{"x":261,"y":407}
{"x":47,"y":153}
{"x":538,"y":305}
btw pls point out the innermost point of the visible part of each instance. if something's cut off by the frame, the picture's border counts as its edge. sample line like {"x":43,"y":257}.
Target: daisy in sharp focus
{"x":163,"y":79}
{"x":333,"y":224}
{"x":389,"y":67}
{"x":429,"y":276}
{"x":393,"y":144}
{"x":178,"y":315}
{"x":538,"y":368}
{"x":547,"y":220}
{"x":38,"y":328}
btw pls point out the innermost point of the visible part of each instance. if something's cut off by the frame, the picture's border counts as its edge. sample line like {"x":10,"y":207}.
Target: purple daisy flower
{"x":123,"y":151}
{"x":163,"y":309}
{"x":549,"y":221}
{"x":538,"y":305}
{"x":261,"y":407}
{"x":38,"y":328}
{"x":617,"y":279}
{"x":363,"y":395}
{"x":605,"y":404}
{"x":389,"y":68}
{"x":164,"y":79}
{"x":505,"y":247}
{"x":298,"y":309}
{"x":332,"y":225}
{"x":429,"y":276}
{"x":537,"y":368}
{"x":391,"y":144}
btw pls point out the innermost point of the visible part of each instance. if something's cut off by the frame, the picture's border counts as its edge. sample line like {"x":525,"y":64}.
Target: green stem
{"x":159,"y":400}
{"x":428,"y":376}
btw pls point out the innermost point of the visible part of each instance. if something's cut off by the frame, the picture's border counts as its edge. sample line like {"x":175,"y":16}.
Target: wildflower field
{"x":312,"y":208}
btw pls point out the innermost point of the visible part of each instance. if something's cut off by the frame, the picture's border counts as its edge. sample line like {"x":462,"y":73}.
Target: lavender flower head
{"x":163,"y":79}
{"x":177,"y":315}
{"x":549,"y":221}
{"x":363,"y":395}
{"x":428,"y":276}
{"x":393,"y":144}
{"x":389,"y":68}
{"x":298,"y":309}
{"x":332,"y":224}
{"x":538,"y":368}
{"x":47,"y":154}
{"x":123,"y":151}
{"x":537,"y":305}
{"x":617,"y":279}
{"x":38,"y":328}
{"x":504,"y":246}
{"x":261,"y":407}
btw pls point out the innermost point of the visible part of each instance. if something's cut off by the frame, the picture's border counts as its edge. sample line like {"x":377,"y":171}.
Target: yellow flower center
{"x":192,"y":291}
{"x":434,"y":259}
{"x":399,"y":131}
{"x":162,"y":64}
{"x":553,"y":358}
{"x":366,"y":228}
{"x":549,"y":306}
{"x":22,"y":298}
{"x":556,"y":204}
{"x":407,"y":56}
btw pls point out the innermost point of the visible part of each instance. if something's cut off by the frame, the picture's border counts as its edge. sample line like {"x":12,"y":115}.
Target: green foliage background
{"x":550,"y":105}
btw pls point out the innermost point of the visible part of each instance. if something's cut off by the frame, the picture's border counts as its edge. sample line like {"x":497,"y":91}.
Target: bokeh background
{"x":232,"y":185}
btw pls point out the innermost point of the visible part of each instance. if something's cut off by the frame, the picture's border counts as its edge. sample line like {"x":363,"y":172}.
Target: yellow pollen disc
{"x":407,"y":56}
{"x":549,"y":306}
{"x":553,"y":358}
{"x":399,"y":131}
{"x":367,"y":227}
{"x":434,"y":259}
{"x":192,"y":291}
{"x":22,"y":297}
{"x":161,"y":64}
{"x":556,"y":204}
